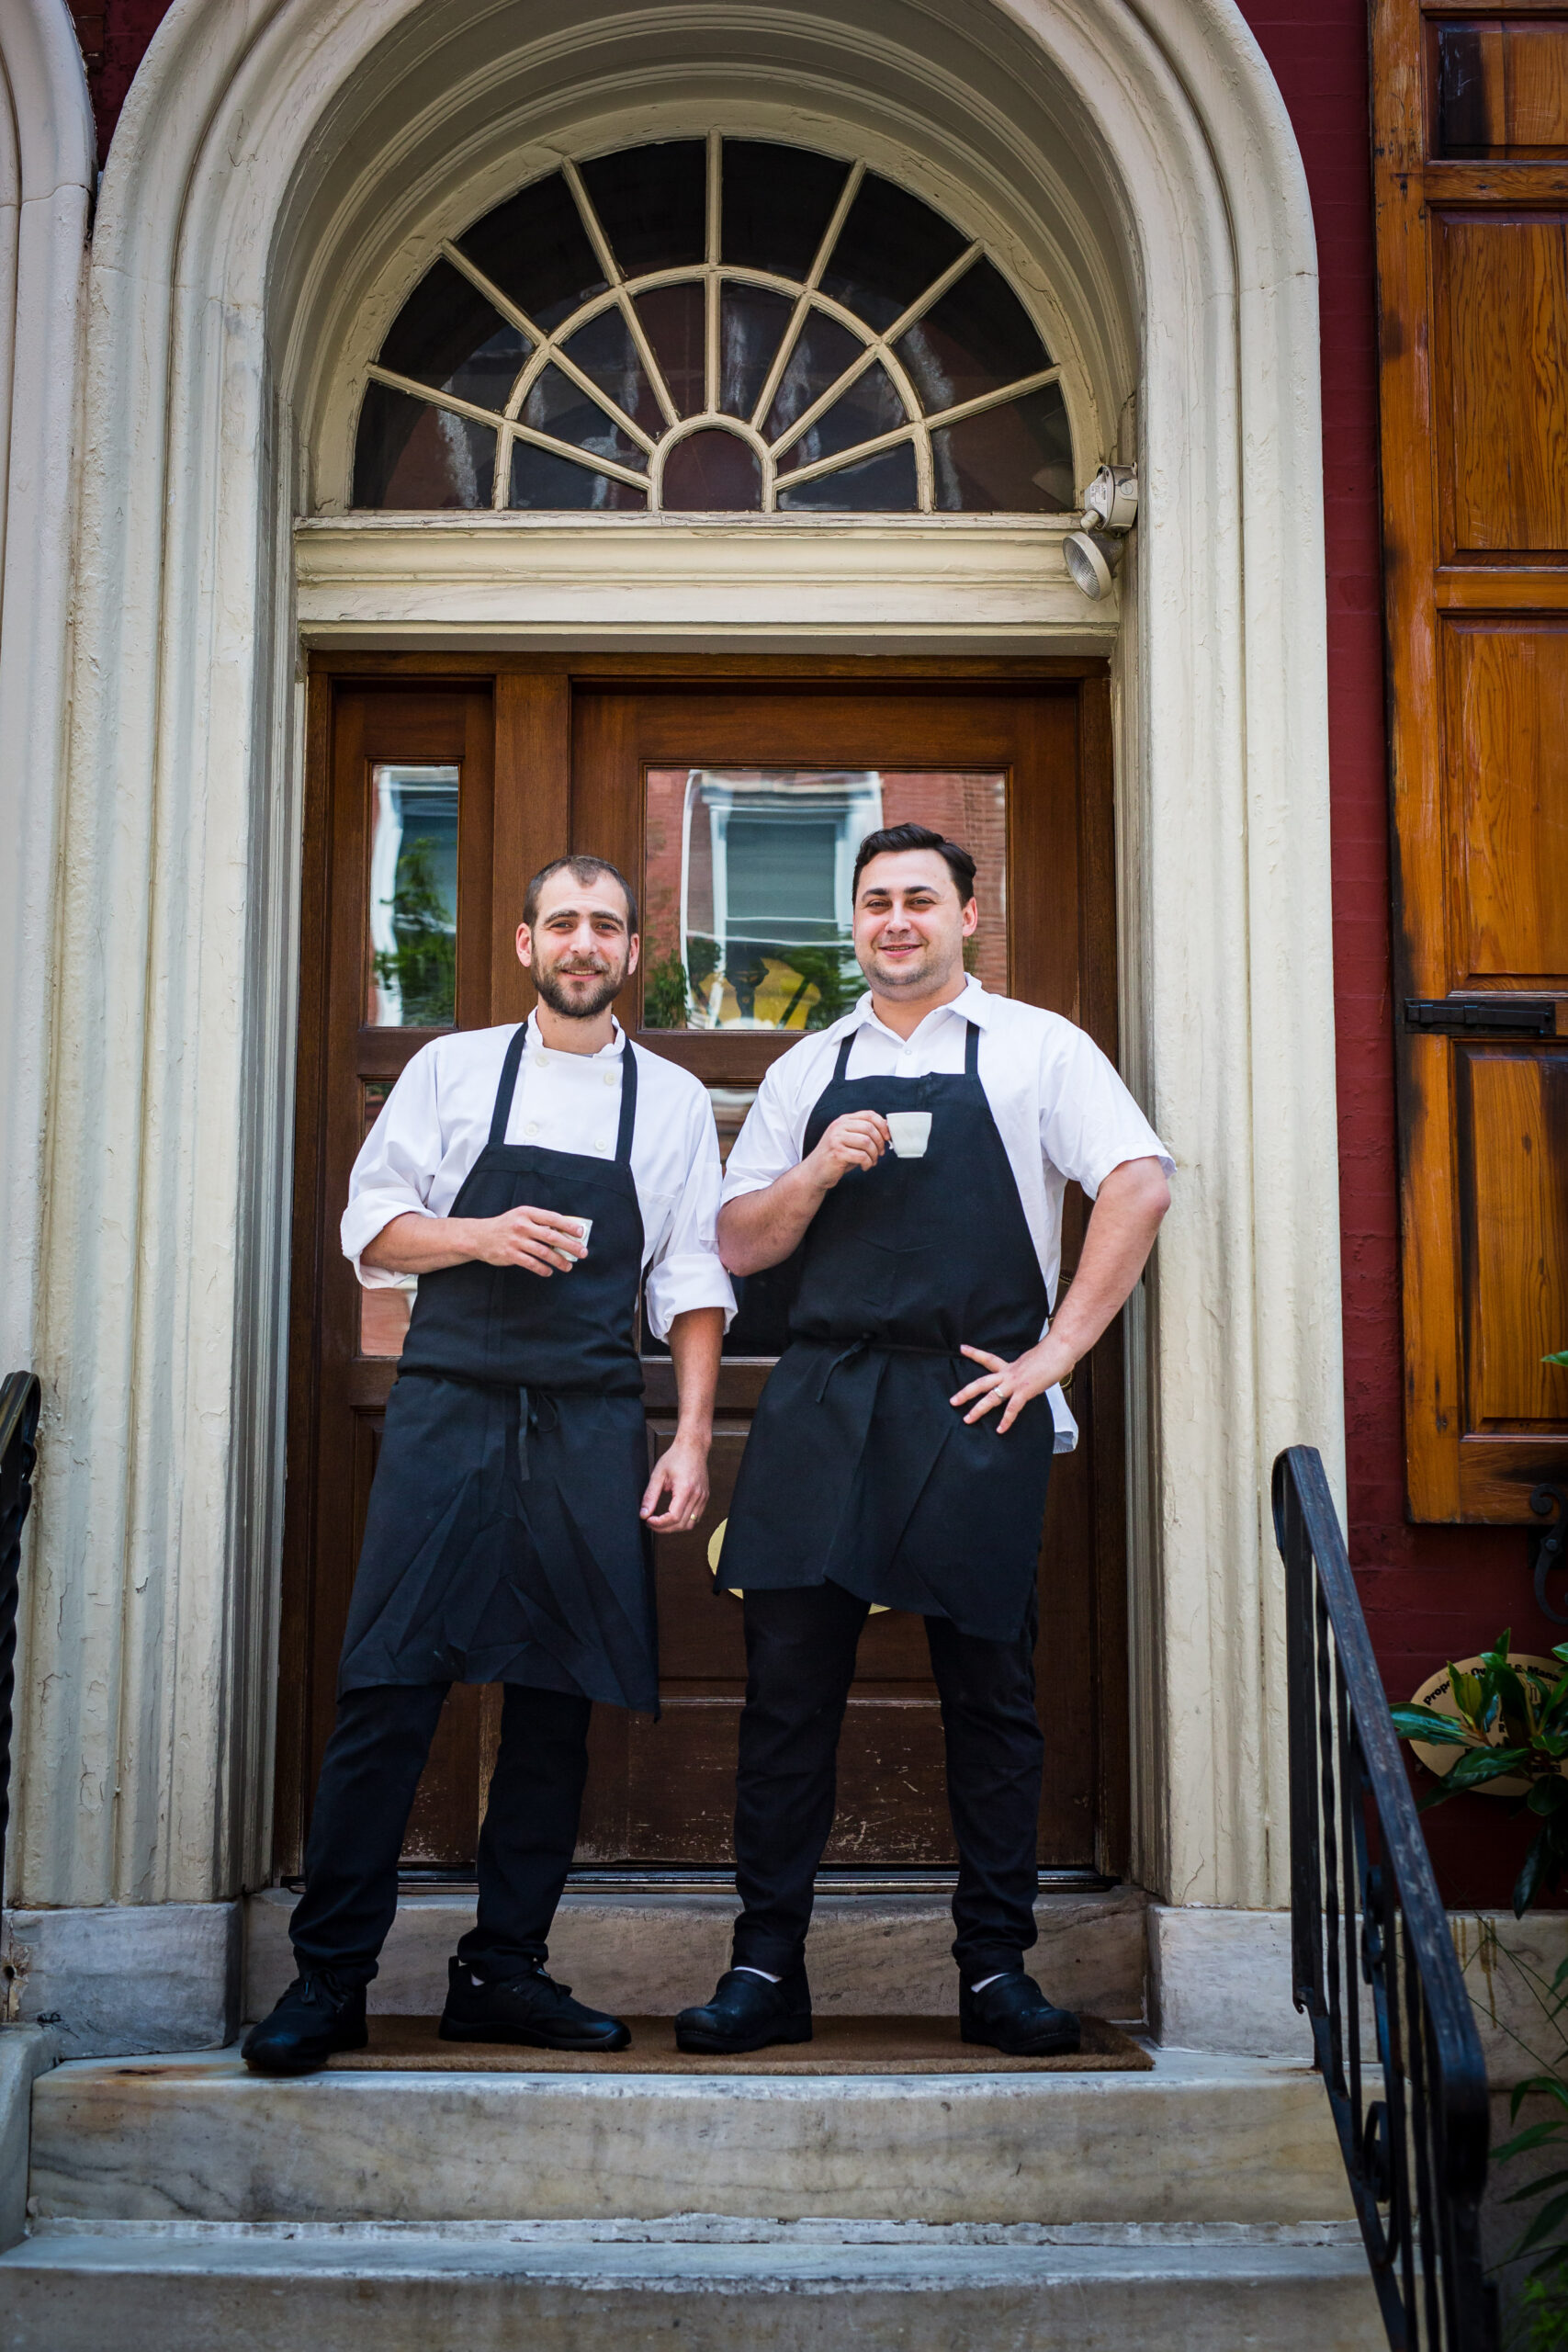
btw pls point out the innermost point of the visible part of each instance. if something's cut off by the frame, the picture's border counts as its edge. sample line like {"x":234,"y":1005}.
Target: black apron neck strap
{"x":502,"y":1113}
{"x":841,"y":1067}
{"x":628,"y":1103}
{"x":972,"y":1050}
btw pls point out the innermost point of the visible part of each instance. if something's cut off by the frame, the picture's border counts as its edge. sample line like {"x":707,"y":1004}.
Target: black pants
{"x":800,"y":1659}
{"x":369,"y":1774}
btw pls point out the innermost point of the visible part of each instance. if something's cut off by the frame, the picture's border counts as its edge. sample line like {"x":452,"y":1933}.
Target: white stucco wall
{"x":274,"y":161}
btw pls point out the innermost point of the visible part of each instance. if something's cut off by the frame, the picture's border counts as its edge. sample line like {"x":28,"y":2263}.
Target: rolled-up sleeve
{"x":1090,"y":1122}
{"x":686,"y":1271}
{"x":396,"y":1167}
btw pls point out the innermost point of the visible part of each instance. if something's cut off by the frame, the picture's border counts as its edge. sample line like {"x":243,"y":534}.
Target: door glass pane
{"x":746,"y":921}
{"x":414,"y":898}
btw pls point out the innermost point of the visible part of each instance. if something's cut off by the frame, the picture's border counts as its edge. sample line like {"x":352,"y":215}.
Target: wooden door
{"x":1021,"y":759}
{"x":1472,"y":165}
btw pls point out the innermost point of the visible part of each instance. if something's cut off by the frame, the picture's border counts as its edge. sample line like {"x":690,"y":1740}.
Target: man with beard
{"x":530,"y":1178}
{"x":914,"y":1155}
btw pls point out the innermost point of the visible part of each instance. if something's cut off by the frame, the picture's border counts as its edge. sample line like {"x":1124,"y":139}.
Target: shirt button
{"x":600,"y":1143}
{"x":532,"y":1129}
{"x":539,"y":1062}
{"x":612,"y":1078}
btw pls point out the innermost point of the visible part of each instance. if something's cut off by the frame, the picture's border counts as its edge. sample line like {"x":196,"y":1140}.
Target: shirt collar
{"x":617,"y":1039}
{"x":971,"y":1004}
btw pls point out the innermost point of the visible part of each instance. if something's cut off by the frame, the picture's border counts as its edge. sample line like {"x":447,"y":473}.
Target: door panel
{"x":546,"y":762}
{"x":1470,"y":124}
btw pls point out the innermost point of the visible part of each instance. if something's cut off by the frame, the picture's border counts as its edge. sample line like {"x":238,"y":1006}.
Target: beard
{"x":586,"y":1003}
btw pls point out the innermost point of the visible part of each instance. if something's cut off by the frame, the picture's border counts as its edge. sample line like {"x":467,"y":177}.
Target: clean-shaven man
{"x":915,"y":1154}
{"x":530,"y":1178}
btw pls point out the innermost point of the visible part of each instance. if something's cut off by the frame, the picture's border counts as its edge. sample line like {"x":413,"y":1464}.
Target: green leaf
{"x":1425,"y":1723}
{"x":1545,"y":2222}
{"x":1561,"y":1357}
{"x":1542,"y":1865}
{"x":1537,"y":2188}
{"x":1537,"y":2136}
{"x":1483,"y":1764}
{"x":1549,"y":1796}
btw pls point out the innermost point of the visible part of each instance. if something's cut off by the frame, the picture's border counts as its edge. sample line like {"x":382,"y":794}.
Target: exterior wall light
{"x":1111,"y":508}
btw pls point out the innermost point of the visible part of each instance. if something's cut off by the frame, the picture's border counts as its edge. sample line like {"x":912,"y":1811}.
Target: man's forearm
{"x":1121,"y":1233}
{"x":695,"y":1339}
{"x":761,"y":1228}
{"x":412,"y":1244}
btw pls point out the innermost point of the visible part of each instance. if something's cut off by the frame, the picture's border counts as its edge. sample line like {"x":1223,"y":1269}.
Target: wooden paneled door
{"x":1471,"y":110}
{"x":734,"y":797}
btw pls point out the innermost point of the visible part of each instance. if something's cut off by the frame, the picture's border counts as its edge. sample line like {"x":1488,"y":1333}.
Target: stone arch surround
{"x":269,"y":161}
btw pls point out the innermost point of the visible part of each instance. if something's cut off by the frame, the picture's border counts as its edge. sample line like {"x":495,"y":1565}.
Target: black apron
{"x":857,"y":1469}
{"x":504,"y":1542}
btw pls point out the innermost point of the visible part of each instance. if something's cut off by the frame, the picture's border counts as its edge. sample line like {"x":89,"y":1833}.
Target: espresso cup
{"x":911,"y":1133}
{"x":584,"y":1228}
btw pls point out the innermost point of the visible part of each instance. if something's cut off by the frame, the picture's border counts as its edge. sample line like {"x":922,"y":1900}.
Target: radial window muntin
{"x":713,"y":274}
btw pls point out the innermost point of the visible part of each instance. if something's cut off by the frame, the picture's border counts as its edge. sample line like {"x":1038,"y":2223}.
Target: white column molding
{"x":46,"y":192}
{"x":276,"y":168}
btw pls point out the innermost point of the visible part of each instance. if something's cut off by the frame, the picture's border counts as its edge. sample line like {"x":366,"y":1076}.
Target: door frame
{"x":534,"y":696}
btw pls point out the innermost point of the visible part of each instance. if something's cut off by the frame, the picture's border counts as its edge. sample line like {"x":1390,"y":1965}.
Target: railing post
{"x":20,"y":1400}
{"x":1414,"y":2151}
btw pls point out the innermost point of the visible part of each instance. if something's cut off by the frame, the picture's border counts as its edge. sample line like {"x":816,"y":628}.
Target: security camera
{"x":1111,"y":508}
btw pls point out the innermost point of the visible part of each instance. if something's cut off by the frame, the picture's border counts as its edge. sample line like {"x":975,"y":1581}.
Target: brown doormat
{"x":841,"y":2046}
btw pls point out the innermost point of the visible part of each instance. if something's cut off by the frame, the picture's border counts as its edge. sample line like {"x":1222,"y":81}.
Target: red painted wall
{"x":1430,"y":1593}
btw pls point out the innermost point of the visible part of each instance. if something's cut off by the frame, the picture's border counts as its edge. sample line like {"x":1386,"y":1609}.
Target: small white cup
{"x":584,"y":1228}
{"x":911,"y":1133}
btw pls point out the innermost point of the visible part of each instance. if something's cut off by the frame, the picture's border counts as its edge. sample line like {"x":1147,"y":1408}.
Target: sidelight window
{"x":719,"y":325}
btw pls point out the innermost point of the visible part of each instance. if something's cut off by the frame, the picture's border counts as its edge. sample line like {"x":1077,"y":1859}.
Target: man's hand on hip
{"x":680,"y":1482}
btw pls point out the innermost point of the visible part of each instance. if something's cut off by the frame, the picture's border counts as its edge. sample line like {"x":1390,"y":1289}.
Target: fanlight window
{"x":715,"y":325}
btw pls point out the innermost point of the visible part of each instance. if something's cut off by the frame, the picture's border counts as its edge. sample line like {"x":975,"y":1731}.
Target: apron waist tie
{"x":529,"y":1416}
{"x":883,"y":1347}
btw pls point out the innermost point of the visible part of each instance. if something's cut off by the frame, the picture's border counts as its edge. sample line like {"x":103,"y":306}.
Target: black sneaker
{"x":315,"y":2016}
{"x":529,"y":2008}
{"x":747,"y":2012}
{"x":1012,"y":2014}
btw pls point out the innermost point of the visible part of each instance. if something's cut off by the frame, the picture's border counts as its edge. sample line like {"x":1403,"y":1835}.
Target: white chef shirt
{"x":1061,"y":1110}
{"x":435,"y":1123}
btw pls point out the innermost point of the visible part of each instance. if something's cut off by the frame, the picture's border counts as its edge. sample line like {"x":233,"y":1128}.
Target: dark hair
{"x":960,"y":864}
{"x":581,"y":869}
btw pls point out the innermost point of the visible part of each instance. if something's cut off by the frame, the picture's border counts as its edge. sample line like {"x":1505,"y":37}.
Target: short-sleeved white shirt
{"x":1062,"y":1110}
{"x":435,"y":1123}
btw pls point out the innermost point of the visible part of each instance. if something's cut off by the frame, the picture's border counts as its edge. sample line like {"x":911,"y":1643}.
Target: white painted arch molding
{"x":224,"y":280}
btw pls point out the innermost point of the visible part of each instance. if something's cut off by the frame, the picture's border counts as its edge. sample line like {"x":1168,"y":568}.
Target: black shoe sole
{"x":519,"y":2037}
{"x":1061,"y":2045}
{"x":713,"y":2045}
{"x":304,"y":2066}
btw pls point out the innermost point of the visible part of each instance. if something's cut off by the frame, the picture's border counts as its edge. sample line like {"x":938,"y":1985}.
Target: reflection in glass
{"x":883,"y":485}
{"x":674,"y":320}
{"x":777,"y":204}
{"x":414,"y":898}
{"x":420,"y":458}
{"x":977,"y":336}
{"x":686,"y":327}
{"x":536,"y":250}
{"x":1016,"y":458}
{"x":449,"y":336}
{"x":713,"y":472}
{"x":747,"y":913}
{"x":384,"y":1312}
{"x":651,"y":203}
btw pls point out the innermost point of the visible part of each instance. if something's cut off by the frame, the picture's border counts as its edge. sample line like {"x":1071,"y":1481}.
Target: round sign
{"x":1435,"y":1693}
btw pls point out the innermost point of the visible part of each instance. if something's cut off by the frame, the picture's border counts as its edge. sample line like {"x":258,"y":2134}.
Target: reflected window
{"x":847,"y":348}
{"x":414,"y":898}
{"x":748,"y":880}
{"x":384,"y":1312}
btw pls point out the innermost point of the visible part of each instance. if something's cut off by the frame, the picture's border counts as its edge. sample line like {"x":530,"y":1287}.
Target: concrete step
{"x":889,"y":2287}
{"x":650,"y":1951}
{"x":1197,"y":2140}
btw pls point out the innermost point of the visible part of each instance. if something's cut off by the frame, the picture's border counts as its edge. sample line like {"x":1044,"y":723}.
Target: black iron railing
{"x":19,"y":1397}
{"x":1374,"y":1962}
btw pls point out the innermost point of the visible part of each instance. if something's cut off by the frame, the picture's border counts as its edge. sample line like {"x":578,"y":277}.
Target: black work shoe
{"x":1012,"y":2014}
{"x":315,"y":2016}
{"x":527,"y":2006}
{"x":746,"y":2013}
